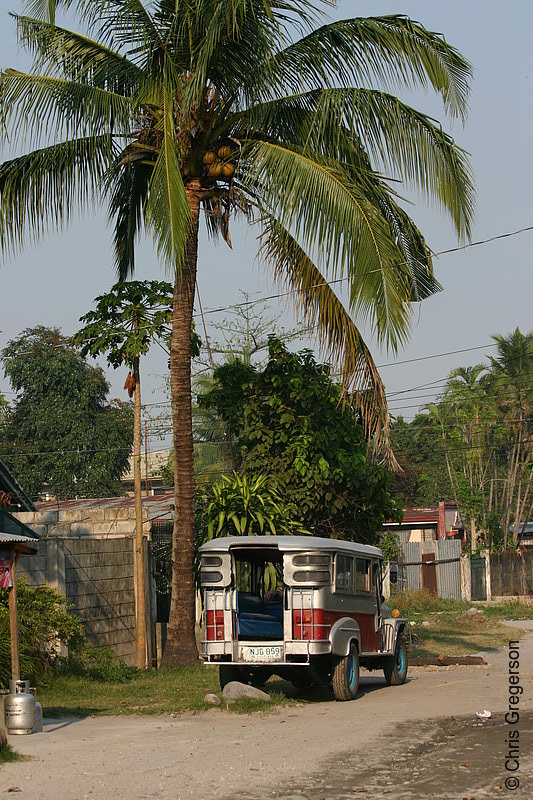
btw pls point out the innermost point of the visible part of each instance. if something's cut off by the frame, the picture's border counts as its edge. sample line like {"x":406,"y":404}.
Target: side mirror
{"x":393,"y":576}
{"x":382,"y":598}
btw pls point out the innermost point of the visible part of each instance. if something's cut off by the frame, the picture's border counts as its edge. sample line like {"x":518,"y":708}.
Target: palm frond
{"x":166,"y":205}
{"x":391,"y":50}
{"x":229,"y":39}
{"x":129,"y":188}
{"x":40,"y":191}
{"x":338,"y":335}
{"x":74,"y":56}
{"x":399,"y":140}
{"x":342,"y":221}
{"x":119,"y":23}
{"x":37,"y":105}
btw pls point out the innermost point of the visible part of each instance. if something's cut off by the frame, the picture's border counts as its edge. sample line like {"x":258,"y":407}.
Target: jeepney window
{"x":213,"y":576}
{"x":362,"y":574}
{"x":311,"y":560}
{"x":311,"y":576}
{"x":344,"y":573}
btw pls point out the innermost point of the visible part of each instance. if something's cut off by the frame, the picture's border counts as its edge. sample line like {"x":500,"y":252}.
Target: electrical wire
{"x":281,"y":295}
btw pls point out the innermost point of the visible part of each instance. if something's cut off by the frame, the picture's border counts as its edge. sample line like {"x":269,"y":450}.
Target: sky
{"x":487,"y":287}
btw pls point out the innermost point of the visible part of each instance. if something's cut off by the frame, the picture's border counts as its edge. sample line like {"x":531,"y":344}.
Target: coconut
{"x":224,"y":152}
{"x":215,"y":170}
{"x":209,"y":157}
{"x":228,"y":170}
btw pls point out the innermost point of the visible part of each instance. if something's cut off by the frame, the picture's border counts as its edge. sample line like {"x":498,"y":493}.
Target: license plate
{"x":261,"y":653}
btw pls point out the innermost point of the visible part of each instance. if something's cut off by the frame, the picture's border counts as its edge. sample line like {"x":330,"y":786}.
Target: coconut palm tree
{"x":261,"y":108}
{"x":511,"y":379}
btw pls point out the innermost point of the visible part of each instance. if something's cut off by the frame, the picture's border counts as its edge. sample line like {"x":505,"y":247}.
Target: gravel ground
{"x":418,"y":740}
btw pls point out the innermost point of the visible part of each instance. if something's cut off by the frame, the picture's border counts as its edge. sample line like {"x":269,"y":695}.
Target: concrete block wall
{"x":99,"y":584}
{"x":67,"y":523}
{"x":88,"y":556}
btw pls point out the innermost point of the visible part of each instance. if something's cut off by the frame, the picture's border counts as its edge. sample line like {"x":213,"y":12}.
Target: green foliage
{"x":45,"y":624}
{"x":473,"y":444}
{"x":61,"y":434}
{"x":126,"y":320}
{"x":291,"y":423}
{"x":244,"y":505}
{"x":423,"y":480}
{"x":101,"y":664}
{"x":28,"y":658}
{"x":388,"y":545}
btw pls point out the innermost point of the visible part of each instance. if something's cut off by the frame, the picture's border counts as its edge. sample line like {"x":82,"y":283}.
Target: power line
{"x":249,"y":303}
{"x":437,"y":355}
{"x":278,"y":296}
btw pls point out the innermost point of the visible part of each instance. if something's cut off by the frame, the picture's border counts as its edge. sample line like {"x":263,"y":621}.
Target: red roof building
{"x":426,"y":524}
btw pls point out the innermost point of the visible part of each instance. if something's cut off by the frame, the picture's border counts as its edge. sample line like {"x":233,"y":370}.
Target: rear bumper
{"x":293,"y":652}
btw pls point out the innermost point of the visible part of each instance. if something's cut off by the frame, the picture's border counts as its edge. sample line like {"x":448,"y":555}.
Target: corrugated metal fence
{"x":429,"y":565}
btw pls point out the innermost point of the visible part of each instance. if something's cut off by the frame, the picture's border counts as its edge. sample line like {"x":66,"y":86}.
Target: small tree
{"x":123,"y":326}
{"x":292,"y":425}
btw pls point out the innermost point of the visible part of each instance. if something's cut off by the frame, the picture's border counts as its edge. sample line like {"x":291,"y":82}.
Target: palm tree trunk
{"x":180,"y":648}
{"x":140,"y":622}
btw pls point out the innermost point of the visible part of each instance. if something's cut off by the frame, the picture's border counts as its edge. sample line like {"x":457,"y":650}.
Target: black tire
{"x":301,"y":678}
{"x":256,"y":677}
{"x":230,"y":672}
{"x":395,"y":667}
{"x":345,"y":680}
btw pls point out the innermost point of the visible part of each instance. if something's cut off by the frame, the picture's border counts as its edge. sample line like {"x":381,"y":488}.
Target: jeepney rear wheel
{"x":395,"y":667}
{"x":345,"y":676}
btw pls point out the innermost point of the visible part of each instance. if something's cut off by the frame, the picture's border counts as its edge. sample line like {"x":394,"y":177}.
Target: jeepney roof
{"x":290,"y":544}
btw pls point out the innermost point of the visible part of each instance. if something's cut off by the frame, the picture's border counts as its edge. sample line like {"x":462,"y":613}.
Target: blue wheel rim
{"x":352,"y":671}
{"x":400,"y":660}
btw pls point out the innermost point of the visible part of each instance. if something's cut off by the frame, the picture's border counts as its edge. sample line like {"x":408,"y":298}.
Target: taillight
{"x":215,"y":626}
{"x":310,"y":624}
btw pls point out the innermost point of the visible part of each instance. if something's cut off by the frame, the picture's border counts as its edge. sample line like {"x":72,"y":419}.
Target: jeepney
{"x":299,"y":607}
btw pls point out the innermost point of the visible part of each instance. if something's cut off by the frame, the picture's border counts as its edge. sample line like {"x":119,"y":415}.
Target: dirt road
{"x":419,"y":740}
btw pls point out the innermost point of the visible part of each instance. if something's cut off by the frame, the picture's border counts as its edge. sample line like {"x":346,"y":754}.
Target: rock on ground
{"x":234,"y":690}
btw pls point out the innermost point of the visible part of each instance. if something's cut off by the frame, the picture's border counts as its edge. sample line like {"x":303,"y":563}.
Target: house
{"x":428,"y":524}
{"x":152,"y":464}
{"x":525,"y":533}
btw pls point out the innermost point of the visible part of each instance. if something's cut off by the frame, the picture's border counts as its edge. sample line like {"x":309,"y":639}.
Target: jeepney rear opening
{"x":269,"y":595}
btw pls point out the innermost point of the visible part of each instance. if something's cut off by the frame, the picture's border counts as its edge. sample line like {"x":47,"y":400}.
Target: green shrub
{"x":45,"y":624}
{"x":420,"y":601}
{"x":101,"y":664}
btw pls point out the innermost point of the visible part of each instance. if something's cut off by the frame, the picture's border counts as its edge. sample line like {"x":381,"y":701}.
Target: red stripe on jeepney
{"x":315,"y":625}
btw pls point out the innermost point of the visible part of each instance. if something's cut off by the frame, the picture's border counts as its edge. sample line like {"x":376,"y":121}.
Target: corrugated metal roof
{"x":8,"y":483}
{"x":9,"y":524}
{"x":13,"y":539}
{"x":158,"y":506}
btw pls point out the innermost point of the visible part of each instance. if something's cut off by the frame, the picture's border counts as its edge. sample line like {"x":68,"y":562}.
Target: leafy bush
{"x":27,"y":658}
{"x":101,"y":664}
{"x":421,"y":602}
{"x":45,"y":625}
{"x":247,"y":505}
{"x":388,"y":545}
